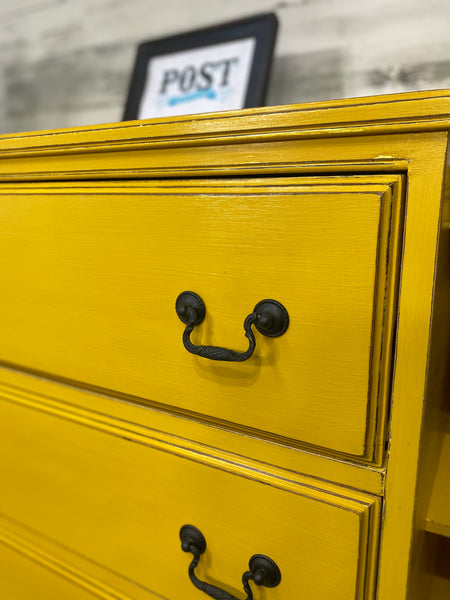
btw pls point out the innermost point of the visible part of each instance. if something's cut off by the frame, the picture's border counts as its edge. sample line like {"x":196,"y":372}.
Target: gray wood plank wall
{"x":68,"y":62}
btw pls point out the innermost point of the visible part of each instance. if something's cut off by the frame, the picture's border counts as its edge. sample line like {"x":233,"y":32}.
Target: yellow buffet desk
{"x":224,"y":356}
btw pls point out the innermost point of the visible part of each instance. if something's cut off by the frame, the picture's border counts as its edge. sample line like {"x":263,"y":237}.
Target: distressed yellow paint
{"x":34,"y":566}
{"x":22,"y":578}
{"x":155,"y":437}
{"x":136,"y":498}
{"x":230,"y":445}
{"x":104,"y":316}
{"x":409,"y":112}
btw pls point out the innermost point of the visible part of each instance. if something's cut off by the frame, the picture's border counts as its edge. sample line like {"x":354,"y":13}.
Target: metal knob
{"x":269,"y":317}
{"x":263,"y":571}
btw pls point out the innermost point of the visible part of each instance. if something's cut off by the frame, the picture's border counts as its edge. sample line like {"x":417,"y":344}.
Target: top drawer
{"x":90,"y":274}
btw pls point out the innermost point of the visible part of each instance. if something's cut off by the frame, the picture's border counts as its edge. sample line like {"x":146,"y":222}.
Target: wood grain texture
{"x":38,"y":580}
{"x":33,"y":565}
{"x":157,"y":148}
{"x":422,"y":227}
{"x":121,"y":505}
{"x":432,"y":507}
{"x":89,"y":262}
{"x":158,"y":428}
{"x":434,"y":490}
{"x":406,"y":134}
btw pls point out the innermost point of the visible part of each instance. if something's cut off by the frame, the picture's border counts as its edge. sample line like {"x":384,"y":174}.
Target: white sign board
{"x":199,"y":80}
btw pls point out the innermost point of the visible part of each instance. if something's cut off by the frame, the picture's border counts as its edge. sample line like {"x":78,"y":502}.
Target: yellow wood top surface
{"x":391,"y":113}
{"x":228,"y":142}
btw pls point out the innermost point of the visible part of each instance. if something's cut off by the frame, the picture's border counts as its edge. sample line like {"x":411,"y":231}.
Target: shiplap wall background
{"x":68,"y":62}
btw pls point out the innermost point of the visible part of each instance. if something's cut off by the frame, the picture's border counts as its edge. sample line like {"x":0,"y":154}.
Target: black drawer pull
{"x":269,"y":317}
{"x":262,"y":570}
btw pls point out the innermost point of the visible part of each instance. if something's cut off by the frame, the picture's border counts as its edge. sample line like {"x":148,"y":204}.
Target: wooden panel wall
{"x":68,"y":62}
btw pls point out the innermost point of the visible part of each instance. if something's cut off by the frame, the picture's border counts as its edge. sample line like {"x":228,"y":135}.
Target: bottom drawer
{"x":118,"y":493}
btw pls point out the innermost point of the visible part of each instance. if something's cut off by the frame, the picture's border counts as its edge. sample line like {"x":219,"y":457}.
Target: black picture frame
{"x":262,"y":28}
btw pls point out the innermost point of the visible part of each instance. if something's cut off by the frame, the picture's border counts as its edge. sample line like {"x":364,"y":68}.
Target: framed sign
{"x":220,"y":68}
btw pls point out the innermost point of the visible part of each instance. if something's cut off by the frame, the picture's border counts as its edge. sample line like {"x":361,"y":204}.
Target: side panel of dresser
{"x":430,"y":567}
{"x":422,"y":291}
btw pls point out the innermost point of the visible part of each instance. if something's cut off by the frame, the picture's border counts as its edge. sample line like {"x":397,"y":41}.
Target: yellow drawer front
{"x":121,"y":504}
{"x":90,"y":274}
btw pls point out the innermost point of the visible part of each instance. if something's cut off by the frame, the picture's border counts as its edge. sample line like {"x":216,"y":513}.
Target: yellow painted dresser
{"x":224,"y":354}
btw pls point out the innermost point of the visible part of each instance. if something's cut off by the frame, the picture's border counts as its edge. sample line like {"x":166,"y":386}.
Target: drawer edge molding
{"x":75,"y":568}
{"x":318,"y":423}
{"x":262,"y":454}
{"x":190,"y":450}
{"x":61,"y":568}
{"x":154,"y":468}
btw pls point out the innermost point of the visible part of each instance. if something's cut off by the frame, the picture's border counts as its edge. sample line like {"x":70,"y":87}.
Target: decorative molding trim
{"x":393,"y":113}
{"x":59,"y":567}
{"x":165,"y":442}
{"x":267,"y":454}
